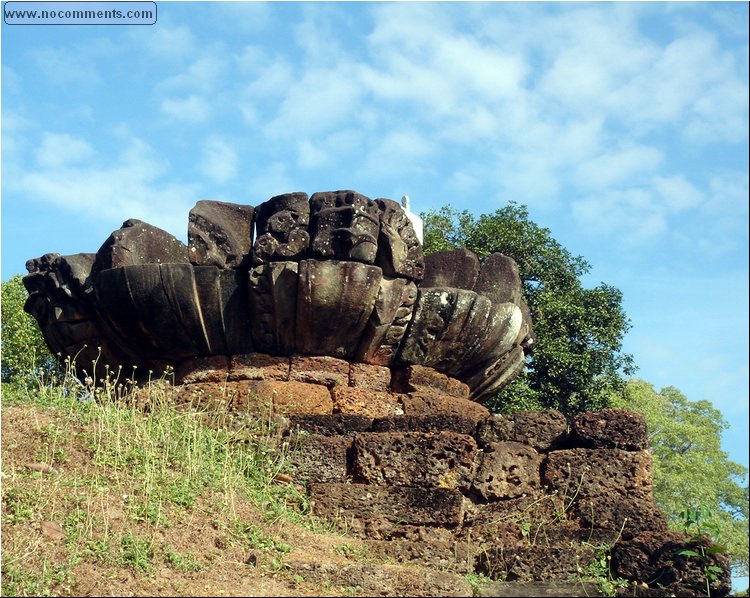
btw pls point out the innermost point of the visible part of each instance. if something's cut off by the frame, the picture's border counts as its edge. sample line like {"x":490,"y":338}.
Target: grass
{"x":121,"y":471}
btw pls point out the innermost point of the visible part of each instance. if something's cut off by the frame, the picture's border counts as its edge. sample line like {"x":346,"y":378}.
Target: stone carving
{"x":219,"y":234}
{"x":282,"y":224}
{"x":337,"y":274}
{"x":345,"y":225}
{"x":399,"y":250}
{"x":136,"y":243}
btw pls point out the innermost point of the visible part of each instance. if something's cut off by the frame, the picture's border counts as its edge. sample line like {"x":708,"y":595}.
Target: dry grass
{"x":117,"y":497}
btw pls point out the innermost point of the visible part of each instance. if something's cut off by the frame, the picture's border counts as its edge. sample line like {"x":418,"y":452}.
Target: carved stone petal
{"x":133,"y":300}
{"x":390,"y":298}
{"x":219,"y":234}
{"x":499,"y":280}
{"x":273,"y":302}
{"x":457,"y":268}
{"x":334,"y":302}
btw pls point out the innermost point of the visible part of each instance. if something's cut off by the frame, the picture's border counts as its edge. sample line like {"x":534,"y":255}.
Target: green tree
{"x":578,"y":358}
{"x":22,"y":347}
{"x":690,"y":469}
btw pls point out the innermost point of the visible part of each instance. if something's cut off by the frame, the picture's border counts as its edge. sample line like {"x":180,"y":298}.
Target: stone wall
{"x":402,"y":458}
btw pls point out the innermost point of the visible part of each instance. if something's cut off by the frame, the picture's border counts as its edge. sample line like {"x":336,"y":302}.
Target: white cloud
{"x":66,"y":66}
{"x":166,"y":42}
{"x":202,"y":75}
{"x":322,"y":100}
{"x":617,"y":167}
{"x":193,"y":108}
{"x":219,"y":161}
{"x":58,"y":150}
{"x":399,"y":151}
{"x":132,"y":185}
{"x":632,"y":214}
{"x":677,"y":193}
{"x":310,"y":155}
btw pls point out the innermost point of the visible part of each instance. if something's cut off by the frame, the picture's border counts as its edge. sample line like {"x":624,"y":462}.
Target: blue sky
{"x":622,"y":126}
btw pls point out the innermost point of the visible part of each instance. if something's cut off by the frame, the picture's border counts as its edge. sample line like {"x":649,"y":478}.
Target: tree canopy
{"x":690,"y":469}
{"x":578,"y":358}
{"x":22,"y":347}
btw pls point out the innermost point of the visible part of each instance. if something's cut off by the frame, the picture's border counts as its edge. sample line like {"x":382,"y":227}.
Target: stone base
{"x":403,"y":459}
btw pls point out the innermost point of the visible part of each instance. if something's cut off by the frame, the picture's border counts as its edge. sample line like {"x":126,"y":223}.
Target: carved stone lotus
{"x":335,"y":274}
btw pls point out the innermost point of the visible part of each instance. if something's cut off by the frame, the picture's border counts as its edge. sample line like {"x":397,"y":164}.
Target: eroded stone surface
{"x":330,"y":425}
{"x":539,"y":429}
{"x":429,"y":402}
{"x":453,"y":268}
{"x":273,"y":303}
{"x":138,"y":242}
{"x":507,"y":470}
{"x":282,"y":224}
{"x":399,"y":251}
{"x":319,"y":458}
{"x":587,"y":472}
{"x":425,"y":423}
{"x":612,"y":428}
{"x":432,"y":459}
{"x":220,"y":234}
{"x":403,"y":505}
{"x":371,"y":403}
{"x":345,"y":226}
{"x":654,"y":557}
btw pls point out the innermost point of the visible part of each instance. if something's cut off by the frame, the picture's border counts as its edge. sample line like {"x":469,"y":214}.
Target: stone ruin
{"x":323,"y":311}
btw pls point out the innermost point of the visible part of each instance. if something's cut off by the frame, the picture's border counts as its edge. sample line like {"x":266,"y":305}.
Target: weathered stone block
{"x":507,"y":470}
{"x":293,"y":397}
{"x":534,"y":563}
{"x":539,"y":429}
{"x":220,"y":234}
{"x":588,"y":473}
{"x":425,"y":423}
{"x":365,"y":402}
{"x":319,"y":458}
{"x":454,"y":330}
{"x":330,"y":425}
{"x":430,"y":459}
{"x":436,"y":554}
{"x":414,"y":377}
{"x":427,"y":402}
{"x":212,"y":368}
{"x":136,"y":304}
{"x":628,"y":516}
{"x":399,"y":251}
{"x":282,"y":224}
{"x":611,"y":428}
{"x":138,"y":242}
{"x":328,"y":371}
{"x":655,"y":557}
{"x":370,"y":377}
{"x":397,"y":504}
{"x":259,"y":366}
{"x":344,"y":226}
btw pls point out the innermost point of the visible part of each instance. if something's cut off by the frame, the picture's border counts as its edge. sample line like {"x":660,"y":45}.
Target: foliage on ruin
{"x":578,"y":357}
{"x":691,"y":471}
{"x":23,"y":349}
